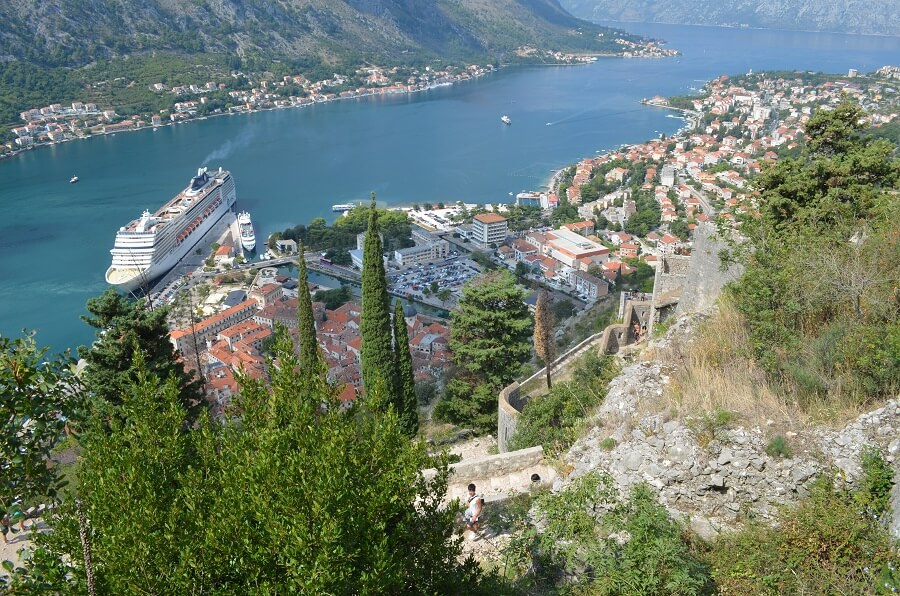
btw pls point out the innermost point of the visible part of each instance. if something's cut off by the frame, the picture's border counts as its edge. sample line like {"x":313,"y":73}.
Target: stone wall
{"x":507,"y":415}
{"x":705,"y":277}
{"x":671,"y":275}
{"x":499,"y":476}
{"x":511,"y":401}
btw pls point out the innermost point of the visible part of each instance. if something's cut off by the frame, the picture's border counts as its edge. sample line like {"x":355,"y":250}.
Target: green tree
{"x":310,"y":357}
{"x":405,"y":401}
{"x":822,"y":263}
{"x":37,"y":395}
{"x":444,"y":295}
{"x":334,"y":298}
{"x":123,"y":329}
{"x":544,"y":345}
{"x":377,"y":358}
{"x":490,"y":335}
{"x":299,"y":497}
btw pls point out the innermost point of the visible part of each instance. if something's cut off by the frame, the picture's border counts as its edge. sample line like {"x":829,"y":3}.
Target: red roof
{"x":489,"y":218}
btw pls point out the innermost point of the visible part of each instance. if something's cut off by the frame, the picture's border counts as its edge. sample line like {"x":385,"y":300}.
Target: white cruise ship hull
{"x":142,"y":256}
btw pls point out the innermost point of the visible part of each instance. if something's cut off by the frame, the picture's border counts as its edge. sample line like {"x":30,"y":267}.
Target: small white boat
{"x":505,"y":119}
{"x":73,"y":180}
{"x":248,"y":238}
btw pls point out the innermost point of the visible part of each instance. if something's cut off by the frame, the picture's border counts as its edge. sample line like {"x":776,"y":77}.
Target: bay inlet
{"x":290,"y":166}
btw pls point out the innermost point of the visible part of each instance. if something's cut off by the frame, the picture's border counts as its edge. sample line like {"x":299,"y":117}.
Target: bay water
{"x":290,"y":166}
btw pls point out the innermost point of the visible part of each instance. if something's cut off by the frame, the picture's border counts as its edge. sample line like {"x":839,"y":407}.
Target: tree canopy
{"x":490,"y":336}
{"x":37,"y":395}
{"x":822,"y":264}
{"x":301,"y":496}
{"x":124,"y":328}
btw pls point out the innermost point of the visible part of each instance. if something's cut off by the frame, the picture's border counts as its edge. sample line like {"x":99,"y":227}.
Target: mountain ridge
{"x":881,"y":17}
{"x":78,"y":32}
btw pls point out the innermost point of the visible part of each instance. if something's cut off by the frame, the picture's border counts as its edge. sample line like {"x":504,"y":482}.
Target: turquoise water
{"x":291,"y":165}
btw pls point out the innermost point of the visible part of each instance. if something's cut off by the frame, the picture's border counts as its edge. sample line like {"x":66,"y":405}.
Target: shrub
{"x":875,"y":487}
{"x":824,"y":545}
{"x":711,"y":426}
{"x":553,"y":420}
{"x":634,"y":548}
{"x":778,"y":447}
{"x":608,"y":444}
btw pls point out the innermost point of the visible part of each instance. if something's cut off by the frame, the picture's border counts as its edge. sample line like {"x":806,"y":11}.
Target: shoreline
{"x":407,"y":93}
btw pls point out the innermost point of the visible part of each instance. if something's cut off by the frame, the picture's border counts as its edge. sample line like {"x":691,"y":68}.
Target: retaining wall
{"x":511,"y":401}
{"x":498,"y":476}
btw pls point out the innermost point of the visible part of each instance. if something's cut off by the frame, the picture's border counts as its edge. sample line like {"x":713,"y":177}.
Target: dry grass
{"x":715,"y":373}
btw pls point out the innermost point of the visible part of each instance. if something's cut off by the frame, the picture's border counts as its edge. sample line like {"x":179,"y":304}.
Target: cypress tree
{"x":405,"y":400}
{"x":306,"y":326}
{"x":377,"y":357}
{"x":543,"y":332}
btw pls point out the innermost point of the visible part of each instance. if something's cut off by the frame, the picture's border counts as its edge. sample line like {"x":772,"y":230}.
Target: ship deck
{"x":215,"y":181}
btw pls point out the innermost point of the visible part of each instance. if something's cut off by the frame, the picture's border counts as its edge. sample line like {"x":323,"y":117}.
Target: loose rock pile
{"x":715,"y":480}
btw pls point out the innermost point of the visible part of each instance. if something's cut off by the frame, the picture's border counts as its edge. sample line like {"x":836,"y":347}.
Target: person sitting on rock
{"x":474,"y":509}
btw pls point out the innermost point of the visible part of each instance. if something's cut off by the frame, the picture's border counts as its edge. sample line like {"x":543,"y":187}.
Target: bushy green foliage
{"x":711,"y":426}
{"x":124,"y":328}
{"x":822,"y":262}
{"x":778,"y":447}
{"x":298,"y":496}
{"x":608,"y":444}
{"x":340,"y":237}
{"x":37,"y":394}
{"x":490,"y":335}
{"x":554,"y":420}
{"x":824,"y":545}
{"x":334,"y":298}
{"x":647,"y":216}
{"x":874,"y":492}
{"x":635,"y":548}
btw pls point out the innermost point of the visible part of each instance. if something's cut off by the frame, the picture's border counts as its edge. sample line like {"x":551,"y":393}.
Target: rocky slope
{"x":880,"y":17}
{"x":716,"y":475}
{"x":75,"y":32}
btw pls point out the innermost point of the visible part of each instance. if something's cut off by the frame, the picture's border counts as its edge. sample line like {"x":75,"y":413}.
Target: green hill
{"x":78,"y":32}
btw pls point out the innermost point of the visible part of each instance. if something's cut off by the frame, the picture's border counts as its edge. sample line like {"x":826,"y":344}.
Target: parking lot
{"x":450,"y":274}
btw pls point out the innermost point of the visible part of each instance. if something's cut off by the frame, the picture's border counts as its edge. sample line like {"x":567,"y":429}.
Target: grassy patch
{"x":778,"y":447}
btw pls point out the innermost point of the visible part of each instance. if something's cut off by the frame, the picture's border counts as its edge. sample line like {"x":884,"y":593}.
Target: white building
{"x":667,"y":176}
{"x":489,"y":228}
{"x":422,"y":253}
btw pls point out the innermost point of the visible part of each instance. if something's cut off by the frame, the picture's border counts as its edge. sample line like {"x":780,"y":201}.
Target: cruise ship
{"x":341,"y":207}
{"x":152,"y":244}
{"x":248,"y":238}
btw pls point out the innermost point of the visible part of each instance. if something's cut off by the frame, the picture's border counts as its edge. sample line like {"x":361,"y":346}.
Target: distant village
{"x":57,"y":123}
{"x":626,"y":210}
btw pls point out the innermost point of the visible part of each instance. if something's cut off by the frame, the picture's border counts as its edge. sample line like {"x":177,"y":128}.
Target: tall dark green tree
{"x":310,"y":357}
{"x":490,"y":336}
{"x":405,"y":400}
{"x":123,"y":328}
{"x":378,"y":362}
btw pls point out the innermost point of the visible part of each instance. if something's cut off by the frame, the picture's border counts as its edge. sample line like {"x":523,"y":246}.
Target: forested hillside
{"x":75,"y":33}
{"x":881,"y":17}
